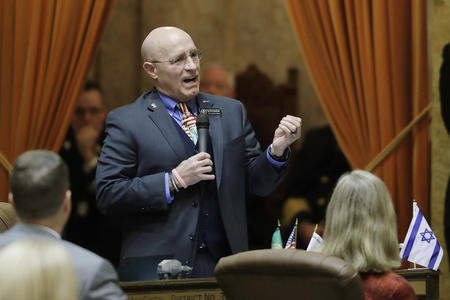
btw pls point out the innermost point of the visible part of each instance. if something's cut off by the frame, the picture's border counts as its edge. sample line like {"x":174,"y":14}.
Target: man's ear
{"x":150,"y":69}
{"x":67,"y":202}
{"x":11,"y":199}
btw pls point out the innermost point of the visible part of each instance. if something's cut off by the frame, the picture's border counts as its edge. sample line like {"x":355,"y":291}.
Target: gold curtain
{"x":368,"y":62}
{"x":46,"y":49}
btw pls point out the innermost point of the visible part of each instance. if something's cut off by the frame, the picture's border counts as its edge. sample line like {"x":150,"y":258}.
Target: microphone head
{"x":202,"y":120}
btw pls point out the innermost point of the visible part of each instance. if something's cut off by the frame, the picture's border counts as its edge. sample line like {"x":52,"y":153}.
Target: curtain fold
{"x":368,"y":62}
{"x":46,"y":49}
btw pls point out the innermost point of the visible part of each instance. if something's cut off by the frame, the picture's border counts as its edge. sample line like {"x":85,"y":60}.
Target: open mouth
{"x":190,"y":79}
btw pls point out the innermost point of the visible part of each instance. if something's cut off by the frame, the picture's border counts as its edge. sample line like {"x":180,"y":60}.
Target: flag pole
{"x":414,"y":201}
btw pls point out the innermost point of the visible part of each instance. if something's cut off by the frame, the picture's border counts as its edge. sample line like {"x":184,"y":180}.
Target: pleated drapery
{"x":46,"y":49}
{"x":368,"y":62}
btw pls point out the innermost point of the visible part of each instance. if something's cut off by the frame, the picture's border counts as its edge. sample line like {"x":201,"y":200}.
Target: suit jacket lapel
{"x":215,"y":133}
{"x":159,"y":115}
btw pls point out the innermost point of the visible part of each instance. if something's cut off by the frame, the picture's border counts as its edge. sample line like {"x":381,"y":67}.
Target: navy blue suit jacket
{"x":142,"y":144}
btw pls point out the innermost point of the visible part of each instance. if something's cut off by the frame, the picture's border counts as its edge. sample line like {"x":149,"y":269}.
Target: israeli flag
{"x":421,"y":245}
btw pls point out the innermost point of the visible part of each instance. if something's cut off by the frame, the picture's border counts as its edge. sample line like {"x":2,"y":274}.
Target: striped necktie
{"x":188,"y":123}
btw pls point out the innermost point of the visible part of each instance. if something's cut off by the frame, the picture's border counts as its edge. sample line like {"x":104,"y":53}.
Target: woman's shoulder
{"x":387,"y":285}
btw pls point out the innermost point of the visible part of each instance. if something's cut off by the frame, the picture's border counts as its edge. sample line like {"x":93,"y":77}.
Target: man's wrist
{"x":283,"y":157}
{"x":173,"y":182}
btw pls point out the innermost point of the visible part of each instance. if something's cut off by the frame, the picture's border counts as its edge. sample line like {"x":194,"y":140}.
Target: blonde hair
{"x":361,"y":225}
{"x":37,"y":269}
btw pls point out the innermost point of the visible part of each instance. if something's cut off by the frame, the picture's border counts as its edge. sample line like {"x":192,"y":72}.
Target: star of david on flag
{"x":426,"y":234}
{"x":421,"y":245}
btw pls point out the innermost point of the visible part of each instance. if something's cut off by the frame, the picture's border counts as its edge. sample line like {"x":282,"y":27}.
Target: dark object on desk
{"x":173,"y":269}
{"x":140,"y":268}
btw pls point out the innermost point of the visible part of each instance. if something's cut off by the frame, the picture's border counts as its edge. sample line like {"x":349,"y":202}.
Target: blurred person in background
{"x":217,"y":80}
{"x":444,"y":92}
{"x":87,"y":227}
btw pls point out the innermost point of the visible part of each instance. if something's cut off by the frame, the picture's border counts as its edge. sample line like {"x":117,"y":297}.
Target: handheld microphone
{"x":202,"y":130}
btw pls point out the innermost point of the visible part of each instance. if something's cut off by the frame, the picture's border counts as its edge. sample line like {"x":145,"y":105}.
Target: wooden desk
{"x":181,"y":289}
{"x":424,"y":281}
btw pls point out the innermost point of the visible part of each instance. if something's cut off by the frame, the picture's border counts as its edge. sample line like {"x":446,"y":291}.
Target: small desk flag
{"x":314,"y":242}
{"x":277,"y":242}
{"x":292,"y":240}
{"x":421,"y":245}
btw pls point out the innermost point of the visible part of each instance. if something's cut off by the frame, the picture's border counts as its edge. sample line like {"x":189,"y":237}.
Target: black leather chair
{"x":287,"y":274}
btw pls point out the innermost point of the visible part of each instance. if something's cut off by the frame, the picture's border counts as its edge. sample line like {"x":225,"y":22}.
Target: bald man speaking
{"x":175,"y":200}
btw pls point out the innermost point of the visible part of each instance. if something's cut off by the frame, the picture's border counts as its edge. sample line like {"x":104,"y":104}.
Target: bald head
{"x":160,"y":40}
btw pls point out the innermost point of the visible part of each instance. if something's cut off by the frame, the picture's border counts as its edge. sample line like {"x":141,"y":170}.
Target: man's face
{"x":89,"y":111}
{"x":178,"y":78}
{"x":214,"y":80}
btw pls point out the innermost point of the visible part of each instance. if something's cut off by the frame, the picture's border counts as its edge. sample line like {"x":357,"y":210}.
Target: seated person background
{"x":361,"y":229}
{"x":217,"y":80}
{"x":444,"y":91}
{"x":316,"y":168}
{"x":39,"y":182}
{"x":37,"y":269}
{"x":87,"y":227}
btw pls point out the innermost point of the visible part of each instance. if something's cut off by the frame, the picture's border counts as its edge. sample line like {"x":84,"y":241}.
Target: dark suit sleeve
{"x":262,"y":176}
{"x":119,"y":190}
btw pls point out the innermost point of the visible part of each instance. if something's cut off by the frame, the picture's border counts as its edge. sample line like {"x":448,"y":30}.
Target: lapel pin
{"x":153,"y":105}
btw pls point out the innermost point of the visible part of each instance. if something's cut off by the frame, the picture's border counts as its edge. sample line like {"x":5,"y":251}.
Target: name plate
{"x":182,"y":289}
{"x":217,"y":295}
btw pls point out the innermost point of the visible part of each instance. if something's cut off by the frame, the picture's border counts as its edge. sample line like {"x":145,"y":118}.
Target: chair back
{"x":8,"y":216}
{"x":287,"y":274}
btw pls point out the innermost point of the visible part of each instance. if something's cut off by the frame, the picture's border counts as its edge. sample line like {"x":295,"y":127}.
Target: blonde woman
{"x":37,"y":269}
{"x":361,"y":228}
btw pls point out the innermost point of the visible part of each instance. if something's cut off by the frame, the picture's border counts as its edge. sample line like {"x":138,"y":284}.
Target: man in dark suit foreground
{"x":176,"y":200}
{"x":39,"y":184}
